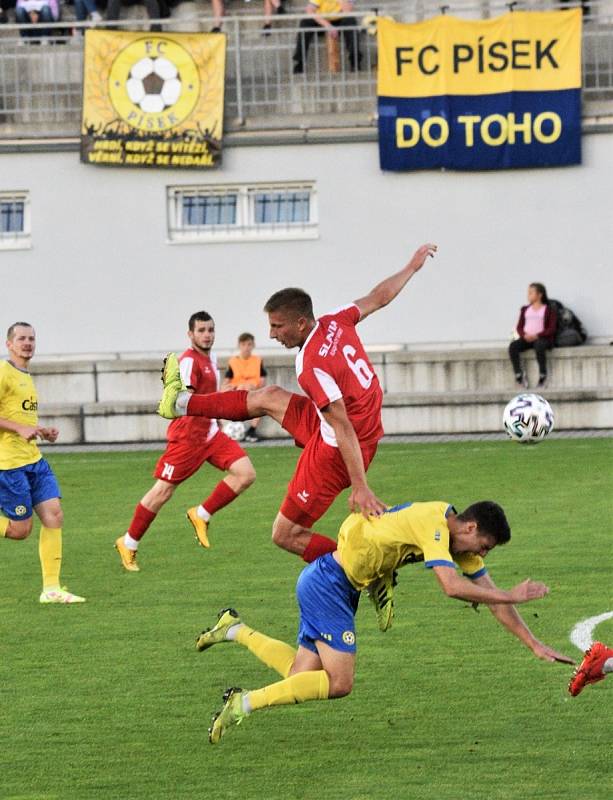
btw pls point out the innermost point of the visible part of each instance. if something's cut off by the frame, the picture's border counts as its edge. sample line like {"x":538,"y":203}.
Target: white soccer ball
{"x":154,"y":84}
{"x":235,"y":430}
{"x":528,"y":418}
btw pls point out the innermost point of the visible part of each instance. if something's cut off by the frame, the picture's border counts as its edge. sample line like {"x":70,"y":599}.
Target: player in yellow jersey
{"x":27,"y":483}
{"x":328,"y":591}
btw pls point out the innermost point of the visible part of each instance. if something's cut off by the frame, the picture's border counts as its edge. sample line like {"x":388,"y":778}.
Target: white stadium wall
{"x":100,"y":276}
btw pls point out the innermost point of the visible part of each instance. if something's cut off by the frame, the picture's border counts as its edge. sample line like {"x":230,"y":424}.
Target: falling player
{"x":192,"y":441}
{"x":27,"y":482}
{"x":338,"y":422}
{"x":328,"y":591}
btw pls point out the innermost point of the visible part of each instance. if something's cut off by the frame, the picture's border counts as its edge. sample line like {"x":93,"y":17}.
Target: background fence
{"x":41,"y":76}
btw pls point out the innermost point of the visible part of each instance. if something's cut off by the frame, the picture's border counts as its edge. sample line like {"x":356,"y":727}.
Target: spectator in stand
{"x":536,"y":329}
{"x":156,"y":9}
{"x":86,"y":9}
{"x":271,"y":7}
{"x":219,"y":12}
{"x":245,"y":371}
{"x":3,"y":15}
{"x":35,"y":12}
{"x":316,"y":24}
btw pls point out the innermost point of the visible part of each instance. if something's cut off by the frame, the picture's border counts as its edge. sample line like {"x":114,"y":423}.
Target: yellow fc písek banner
{"x":486,"y":94}
{"x":153,"y":99}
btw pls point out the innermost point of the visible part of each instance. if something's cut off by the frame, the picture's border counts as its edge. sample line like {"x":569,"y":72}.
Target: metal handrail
{"x":40,"y":89}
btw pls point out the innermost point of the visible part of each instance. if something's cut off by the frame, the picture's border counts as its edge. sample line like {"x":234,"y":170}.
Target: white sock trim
{"x":232,"y":632}
{"x":203,"y":513}
{"x":181,"y":403}
{"x":130,"y":543}
{"x":246,"y":704}
{"x":608,"y":665}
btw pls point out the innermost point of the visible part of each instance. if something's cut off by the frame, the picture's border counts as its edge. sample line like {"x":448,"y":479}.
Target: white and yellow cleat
{"x":128,"y":557}
{"x":230,"y":715}
{"x":173,"y":386}
{"x":62,"y":596}
{"x":200,"y":526}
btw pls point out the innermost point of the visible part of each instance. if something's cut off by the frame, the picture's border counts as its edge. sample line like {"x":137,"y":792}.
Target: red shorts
{"x":301,"y":420}
{"x":320,"y":475}
{"x":184,"y":457}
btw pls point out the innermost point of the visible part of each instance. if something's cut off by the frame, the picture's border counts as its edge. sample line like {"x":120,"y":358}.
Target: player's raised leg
{"x":177,"y":401}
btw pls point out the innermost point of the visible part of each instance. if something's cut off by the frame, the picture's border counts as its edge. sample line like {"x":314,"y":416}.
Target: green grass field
{"x":111,"y":699}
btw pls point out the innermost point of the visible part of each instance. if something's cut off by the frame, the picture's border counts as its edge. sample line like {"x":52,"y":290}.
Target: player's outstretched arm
{"x":362,"y":498}
{"x":387,"y":290}
{"x":478,"y":591}
{"x":509,"y":617}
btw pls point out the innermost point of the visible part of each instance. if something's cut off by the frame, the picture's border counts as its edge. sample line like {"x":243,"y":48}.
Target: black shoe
{"x":521,"y":380}
{"x":266,"y":29}
{"x":252,"y":436}
{"x":298,"y":68}
{"x":216,"y":29}
{"x":542,"y":384}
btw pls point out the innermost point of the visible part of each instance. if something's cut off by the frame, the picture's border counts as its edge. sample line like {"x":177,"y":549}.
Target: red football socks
{"x":318,"y":546}
{"x":219,"y":405}
{"x":140,"y":522}
{"x":221,"y":495}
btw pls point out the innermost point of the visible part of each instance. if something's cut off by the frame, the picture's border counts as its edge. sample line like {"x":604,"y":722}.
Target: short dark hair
{"x":11,"y":329}
{"x":540,"y":288}
{"x":490,"y":519}
{"x":294,"y":300}
{"x":199,"y":316}
{"x":246,"y":337}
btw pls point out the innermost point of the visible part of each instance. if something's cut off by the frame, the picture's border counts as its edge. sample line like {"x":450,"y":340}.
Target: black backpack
{"x":569,"y":328}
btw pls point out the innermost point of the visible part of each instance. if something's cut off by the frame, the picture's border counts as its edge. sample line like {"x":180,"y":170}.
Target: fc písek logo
{"x":154,"y":84}
{"x":349,"y":637}
{"x":20,"y":510}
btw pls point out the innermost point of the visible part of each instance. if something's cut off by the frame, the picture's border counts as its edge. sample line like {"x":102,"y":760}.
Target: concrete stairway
{"x":453,"y":391}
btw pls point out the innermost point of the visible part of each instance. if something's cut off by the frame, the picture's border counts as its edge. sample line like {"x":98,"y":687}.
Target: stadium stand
{"x":40,"y":92}
{"x":426,"y":391}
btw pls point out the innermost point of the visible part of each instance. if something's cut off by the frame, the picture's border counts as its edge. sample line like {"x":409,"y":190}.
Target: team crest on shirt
{"x":349,"y":637}
{"x":20,"y":510}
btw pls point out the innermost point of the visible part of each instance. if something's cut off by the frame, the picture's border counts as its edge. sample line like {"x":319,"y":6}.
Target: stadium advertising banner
{"x":489,"y":94}
{"x":153,"y":100}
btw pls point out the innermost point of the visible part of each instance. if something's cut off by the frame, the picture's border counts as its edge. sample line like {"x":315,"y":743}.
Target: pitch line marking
{"x":581,"y":634}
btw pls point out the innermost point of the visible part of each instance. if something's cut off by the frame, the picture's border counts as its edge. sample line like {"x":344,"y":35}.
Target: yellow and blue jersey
{"x":404,"y":534}
{"x":18,"y":403}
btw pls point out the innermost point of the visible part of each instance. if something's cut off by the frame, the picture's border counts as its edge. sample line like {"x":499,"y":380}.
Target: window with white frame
{"x":242,"y":212}
{"x":14,"y":221}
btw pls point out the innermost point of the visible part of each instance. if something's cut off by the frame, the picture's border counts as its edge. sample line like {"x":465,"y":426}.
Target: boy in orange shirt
{"x":245,"y":371}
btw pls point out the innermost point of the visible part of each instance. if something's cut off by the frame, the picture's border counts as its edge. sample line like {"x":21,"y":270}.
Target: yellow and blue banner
{"x":486,"y":94}
{"x":153,"y":99}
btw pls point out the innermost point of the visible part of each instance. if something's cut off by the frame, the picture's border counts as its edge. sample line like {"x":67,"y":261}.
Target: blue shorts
{"x":25,"y":487}
{"x":328,"y":603}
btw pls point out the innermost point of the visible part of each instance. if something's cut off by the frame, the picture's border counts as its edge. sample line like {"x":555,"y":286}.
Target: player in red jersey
{"x":338,"y":423}
{"x":192,"y":441}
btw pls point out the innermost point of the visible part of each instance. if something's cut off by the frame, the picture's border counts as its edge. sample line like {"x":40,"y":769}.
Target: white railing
{"x":41,"y":77}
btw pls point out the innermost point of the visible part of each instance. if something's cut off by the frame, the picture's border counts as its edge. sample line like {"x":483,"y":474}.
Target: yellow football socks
{"x":275,"y":654}
{"x":298,"y":688}
{"x":50,"y":554}
{"x":4,"y":524}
